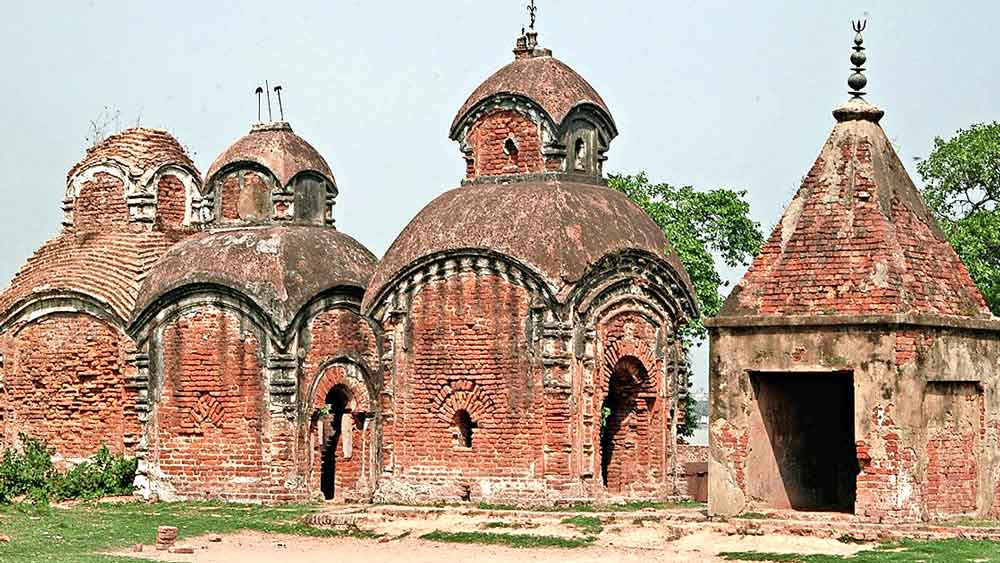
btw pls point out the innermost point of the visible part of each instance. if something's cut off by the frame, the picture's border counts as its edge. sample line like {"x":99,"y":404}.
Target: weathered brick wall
{"x":954,"y":414}
{"x":249,"y":202}
{"x":171,"y":203}
{"x":637,"y":427}
{"x":328,"y":438}
{"x":101,"y":204}
{"x":211,"y":412}
{"x":466,"y":349}
{"x":65,"y":381}
{"x":487,"y":138}
{"x":925,"y":424}
{"x":335,"y":334}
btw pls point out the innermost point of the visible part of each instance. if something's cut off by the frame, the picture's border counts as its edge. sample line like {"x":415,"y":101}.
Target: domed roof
{"x":275,"y":147}
{"x":281,"y":268}
{"x":540,"y":77}
{"x":139,"y":152}
{"x":559,"y":229}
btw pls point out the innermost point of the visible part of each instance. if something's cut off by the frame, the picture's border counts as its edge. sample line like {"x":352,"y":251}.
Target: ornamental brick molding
{"x":463,"y":395}
{"x":207,"y":411}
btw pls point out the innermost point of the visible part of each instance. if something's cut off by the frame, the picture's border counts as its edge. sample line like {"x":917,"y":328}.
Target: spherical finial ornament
{"x":857,"y":81}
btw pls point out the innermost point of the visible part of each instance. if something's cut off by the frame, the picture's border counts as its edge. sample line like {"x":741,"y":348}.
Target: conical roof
{"x":857,"y":239}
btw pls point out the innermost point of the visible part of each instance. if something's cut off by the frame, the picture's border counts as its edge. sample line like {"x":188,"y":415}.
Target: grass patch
{"x":509,"y":540}
{"x":43,"y":534}
{"x":752,"y":516}
{"x":590,"y":525}
{"x":906,"y":551}
{"x":498,"y":524}
{"x":969,"y":523}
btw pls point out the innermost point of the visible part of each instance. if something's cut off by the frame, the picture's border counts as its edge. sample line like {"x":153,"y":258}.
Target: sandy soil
{"x":253,"y":547}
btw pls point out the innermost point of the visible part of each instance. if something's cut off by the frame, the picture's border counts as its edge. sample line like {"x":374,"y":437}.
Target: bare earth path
{"x":254,"y":547}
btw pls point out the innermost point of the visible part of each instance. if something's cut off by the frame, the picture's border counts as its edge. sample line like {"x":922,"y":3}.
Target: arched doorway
{"x":621,"y":425}
{"x":338,"y":430}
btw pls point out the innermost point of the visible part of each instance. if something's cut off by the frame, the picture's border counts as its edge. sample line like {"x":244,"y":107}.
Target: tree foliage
{"x":962,"y":187}
{"x":700,"y":225}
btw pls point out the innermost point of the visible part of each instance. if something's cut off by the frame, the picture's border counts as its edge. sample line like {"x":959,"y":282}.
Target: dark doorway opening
{"x":464,"y":426}
{"x":338,"y":401}
{"x":808,"y":460}
{"x":616,"y":426}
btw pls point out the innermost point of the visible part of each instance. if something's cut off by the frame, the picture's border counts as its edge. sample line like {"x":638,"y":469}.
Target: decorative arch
{"x":397,"y":292}
{"x":350,"y":374}
{"x":465,"y":396}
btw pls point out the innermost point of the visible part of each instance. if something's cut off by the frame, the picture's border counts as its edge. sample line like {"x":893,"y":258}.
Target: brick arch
{"x":337,"y":373}
{"x":628,"y":347}
{"x":463,"y":395}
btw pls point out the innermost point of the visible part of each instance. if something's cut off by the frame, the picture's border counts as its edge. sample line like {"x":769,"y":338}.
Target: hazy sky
{"x":733,"y":94}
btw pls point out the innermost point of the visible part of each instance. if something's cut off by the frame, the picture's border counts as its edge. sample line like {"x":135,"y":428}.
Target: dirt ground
{"x":253,"y":547}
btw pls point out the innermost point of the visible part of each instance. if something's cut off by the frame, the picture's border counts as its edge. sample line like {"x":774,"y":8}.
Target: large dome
{"x":278,"y":149}
{"x":558,"y":229}
{"x":281,"y":268}
{"x":541,"y":78}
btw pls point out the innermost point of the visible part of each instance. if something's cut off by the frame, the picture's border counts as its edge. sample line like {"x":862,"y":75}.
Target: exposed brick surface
{"x":211,"y":411}
{"x":66,"y":382}
{"x":101,"y":204}
{"x":635,"y":433}
{"x":170,"y":203}
{"x":488,"y":138}
{"x":468,"y":352}
{"x":857,"y":239}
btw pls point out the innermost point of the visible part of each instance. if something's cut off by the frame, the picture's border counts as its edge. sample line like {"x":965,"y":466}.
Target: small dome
{"x":543,"y":79}
{"x":139,"y":151}
{"x":558,"y":229}
{"x":281,"y":268}
{"x":277,"y":148}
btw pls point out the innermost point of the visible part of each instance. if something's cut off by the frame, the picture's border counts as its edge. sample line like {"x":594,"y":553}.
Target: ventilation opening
{"x":464,"y":426}
{"x":337,"y":401}
{"x":510,"y":149}
{"x":580,"y":163}
{"x":802,"y":441}
{"x":618,"y":425}
{"x":465,"y":493}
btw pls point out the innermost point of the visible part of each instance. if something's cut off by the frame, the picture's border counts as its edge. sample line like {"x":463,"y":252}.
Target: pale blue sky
{"x":733,"y":94}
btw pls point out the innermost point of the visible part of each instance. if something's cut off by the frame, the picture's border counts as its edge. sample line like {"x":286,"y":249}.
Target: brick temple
{"x":855,"y":366}
{"x":517,"y":343}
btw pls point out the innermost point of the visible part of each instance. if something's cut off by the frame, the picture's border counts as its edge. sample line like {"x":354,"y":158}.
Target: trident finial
{"x":258,"y":91}
{"x":532,"y":11}
{"x":857,"y":80}
{"x":281,"y":109}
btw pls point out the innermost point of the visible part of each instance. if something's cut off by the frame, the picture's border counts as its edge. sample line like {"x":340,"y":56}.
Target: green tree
{"x":962,"y":187}
{"x":700,"y":225}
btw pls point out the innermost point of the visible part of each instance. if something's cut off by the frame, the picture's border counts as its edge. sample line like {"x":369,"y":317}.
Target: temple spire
{"x":527,"y":42}
{"x":857,"y":80}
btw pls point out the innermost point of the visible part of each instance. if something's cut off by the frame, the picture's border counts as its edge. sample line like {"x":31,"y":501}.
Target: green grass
{"x":41,"y":534}
{"x":590,"y":525}
{"x":752,"y":516}
{"x":498,"y":524}
{"x":906,"y":551}
{"x":509,"y":540}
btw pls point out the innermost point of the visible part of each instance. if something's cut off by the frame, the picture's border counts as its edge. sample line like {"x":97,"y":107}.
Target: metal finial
{"x":857,"y":80}
{"x":267,"y":90}
{"x":281,"y":109}
{"x":258,"y":91}
{"x":532,"y":11}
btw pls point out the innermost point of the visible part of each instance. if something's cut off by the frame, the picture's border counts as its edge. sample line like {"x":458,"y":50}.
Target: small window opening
{"x":581,"y":156}
{"x":464,"y":427}
{"x":510,"y":148}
